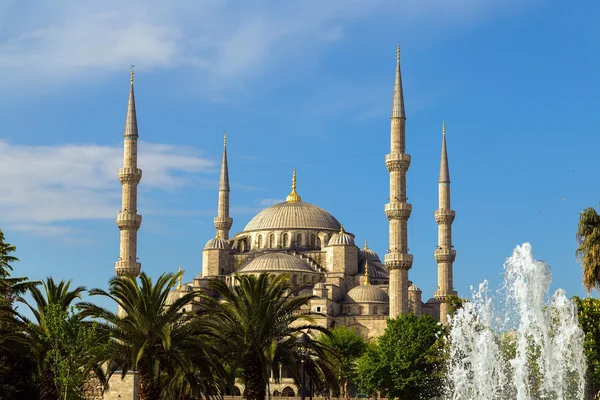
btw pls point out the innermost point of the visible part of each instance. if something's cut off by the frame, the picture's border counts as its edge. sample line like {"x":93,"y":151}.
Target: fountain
{"x":530,"y":348}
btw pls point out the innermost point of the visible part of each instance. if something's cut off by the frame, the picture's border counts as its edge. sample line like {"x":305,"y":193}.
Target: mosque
{"x":352,"y":286}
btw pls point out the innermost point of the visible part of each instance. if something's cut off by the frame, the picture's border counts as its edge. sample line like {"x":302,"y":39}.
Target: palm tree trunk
{"x":268,"y":383}
{"x":48,"y":386}
{"x":147,"y":389}
{"x":254,"y":377}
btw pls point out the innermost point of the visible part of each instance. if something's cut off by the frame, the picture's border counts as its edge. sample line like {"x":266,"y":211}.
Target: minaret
{"x":223,"y":222}
{"x":444,"y":253}
{"x":128,"y":219}
{"x":398,"y":261}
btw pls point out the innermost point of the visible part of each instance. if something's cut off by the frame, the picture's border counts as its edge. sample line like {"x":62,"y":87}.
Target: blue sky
{"x":300,"y":84}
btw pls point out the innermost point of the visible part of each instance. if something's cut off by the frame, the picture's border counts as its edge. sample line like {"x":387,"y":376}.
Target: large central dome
{"x":293,"y":215}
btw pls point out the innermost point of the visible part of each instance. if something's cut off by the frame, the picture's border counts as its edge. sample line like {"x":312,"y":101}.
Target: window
{"x":259,"y":241}
{"x":271,"y":241}
{"x":285,"y":240}
{"x":318,"y":309}
{"x":313,"y":240}
{"x":299,"y":240}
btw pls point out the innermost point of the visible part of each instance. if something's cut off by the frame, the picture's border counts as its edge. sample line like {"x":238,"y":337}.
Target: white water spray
{"x":532,"y":349}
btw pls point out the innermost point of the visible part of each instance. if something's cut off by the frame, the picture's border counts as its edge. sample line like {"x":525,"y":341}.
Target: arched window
{"x":318,"y":243}
{"x":375,"y":309}
{"x":313,"y":240}
{"x":286,"y":240}
{"x":299,"y":240}
{"x":306,"y":278}
{"x":314,"y":279}
{"x":294,"y":280}
{"x":271,"y":241}
{"x":260,"y":241}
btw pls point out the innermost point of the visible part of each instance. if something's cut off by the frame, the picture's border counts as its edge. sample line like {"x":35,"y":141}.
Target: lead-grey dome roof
{"x":217,"y":243}
{"x":276,"y":262}
{"x":296,"y":215}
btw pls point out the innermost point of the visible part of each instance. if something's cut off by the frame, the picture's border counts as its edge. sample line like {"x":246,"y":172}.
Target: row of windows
{"x":286,"y":240}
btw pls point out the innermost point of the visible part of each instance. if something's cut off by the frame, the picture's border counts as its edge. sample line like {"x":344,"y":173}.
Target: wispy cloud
{"x":44,"y":186}
{"x":50,"y":42}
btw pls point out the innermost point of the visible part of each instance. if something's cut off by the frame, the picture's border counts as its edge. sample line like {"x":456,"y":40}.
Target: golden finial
{"x":366,"y":272}
{"x":366,"y":245}
{"x":342,"y":229}
{"x":444,"y":128}
{"x":224,"y":138}
{"x":180,"y":279}
{"x":218,"y":235}
{"x":398,"y":52}
{"x":131,"y":73}
{"x":293,"y":197}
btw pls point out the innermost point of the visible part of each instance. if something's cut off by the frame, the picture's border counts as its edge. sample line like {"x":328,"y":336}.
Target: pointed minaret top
{"x":293,"y":197}
{"x":131,"y":129}
{"x":444,"y":171}
{"x":366,"y":245}
{"x":180,"y":279}
{"x":224,"y":181}
{"x":398,"y":102}
{"x":366,"y":272}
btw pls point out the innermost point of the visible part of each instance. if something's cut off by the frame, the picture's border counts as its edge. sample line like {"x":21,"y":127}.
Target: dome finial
{"x":342,"y":229}
{"x":180,"y":279}
{"x":293,"y":197}
{"x":218,"y":235}
{"x":366,"y":245}
{"x":366,"y":272}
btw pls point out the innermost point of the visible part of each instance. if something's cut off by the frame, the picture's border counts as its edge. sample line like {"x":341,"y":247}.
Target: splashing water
{"x":532,"y":349}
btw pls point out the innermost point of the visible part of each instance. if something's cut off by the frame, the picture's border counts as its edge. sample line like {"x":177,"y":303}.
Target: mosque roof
{"x":341,"y":239}
{"x":367,"y":294}
{"x":293,"y":215}
{"x":217,"y":243}
{"x":368,"y":254}
{"x":377,"y":270}
{"x":276,"y":262}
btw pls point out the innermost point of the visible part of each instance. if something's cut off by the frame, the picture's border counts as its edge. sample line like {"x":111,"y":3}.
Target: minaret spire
{"x":130,"y":175}
{"x":444,"y":253}
{"x":223,"y":222}
{"x":398,"y":261}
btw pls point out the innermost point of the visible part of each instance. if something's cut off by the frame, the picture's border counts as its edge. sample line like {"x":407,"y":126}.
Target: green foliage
{"x":260,"y":315}
{"x":588,"y":311}
{"x":344,"y":346}
{"x":169,"y":348}
{"x":456,"y":303}
{"x":588,"y":251}
{"x":407,"y":360}
{"x":74,"y":348}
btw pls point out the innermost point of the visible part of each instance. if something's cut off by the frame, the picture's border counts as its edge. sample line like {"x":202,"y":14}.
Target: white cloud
{"x":49,"y":42}
{"x":43,"y":186}
{"x":269,"y":202}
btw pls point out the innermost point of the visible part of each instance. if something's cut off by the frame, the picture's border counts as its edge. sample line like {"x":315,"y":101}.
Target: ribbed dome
{"x":341,"y":239}
{"x":368,"y":294}
{"x":369,"y":254}
{"x":376,"y":269}
{"x":414,"y":288}
{"x":298,"y":215}
{"x":320,"y":285}
{"x":276,"y":262}
{"x":217,"y":243}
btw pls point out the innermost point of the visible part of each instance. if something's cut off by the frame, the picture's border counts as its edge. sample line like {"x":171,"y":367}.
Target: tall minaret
{"x":398,"y":261}
{"x":128,"y":219}
{"x":444,"y":253}
{"x":223,"y":222}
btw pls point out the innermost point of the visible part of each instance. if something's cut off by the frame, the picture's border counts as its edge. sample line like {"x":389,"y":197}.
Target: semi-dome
{"x":276,"y":262}
{"x":368,"y":254}
{"x":341,"y":239}
{"x":217,"y":243}
{"x":293,"y":215}
{"x":368,"y":294}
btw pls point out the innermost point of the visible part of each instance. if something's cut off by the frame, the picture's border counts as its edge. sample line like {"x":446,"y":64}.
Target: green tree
{"x":588,"y":312}
{"x":344,"y":346}
{"x":74,"y":350}
{"x":35,"y":334}
{"x":259,"y":321}
{"x":588,"y":251}
{"x":168,"y":347}
{"x":407,"y":361}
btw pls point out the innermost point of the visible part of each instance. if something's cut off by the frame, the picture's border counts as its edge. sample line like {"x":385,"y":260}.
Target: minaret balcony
{"x":398,"y":260}
{"x":128,"y":221}
{"x":440,"y":295}
{"x":395,"y":211}
{"x":444,"y":255}
{"x":223,"y":223}
{"x":444,"y":216}
{"x":123,"y":268}
{"x":130,"y":175}
{"x":397,"y":162}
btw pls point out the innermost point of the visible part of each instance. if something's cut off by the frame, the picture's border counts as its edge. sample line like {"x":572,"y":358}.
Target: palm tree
{"x":588,"y":252}
{"x":259,"y":322}
{"x":35,"y":333}
{"x":168,"y":347}
{"x":345,"y":347}
{"x":10,"y":287}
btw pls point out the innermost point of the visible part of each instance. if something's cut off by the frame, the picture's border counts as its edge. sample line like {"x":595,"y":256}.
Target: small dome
{"x":368,"y":294}
{"x":320,"y":285}
{"x":368,"y":254}
{"x":217,"y":243}
{"x":414,"y":288}
{"x":341,"y":239}
{"x":376,"y":269}
{"x":276,"y":262}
